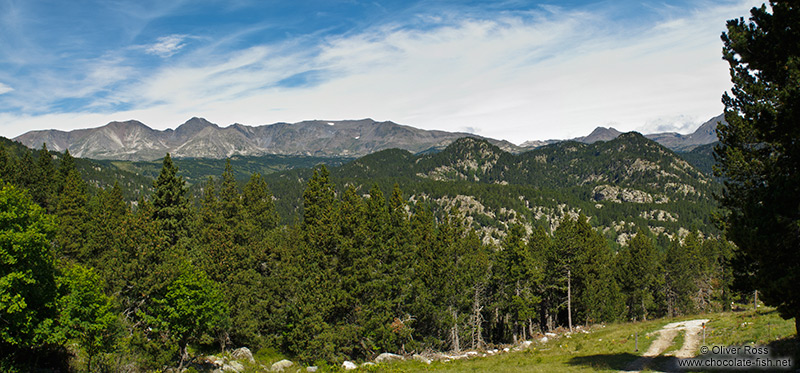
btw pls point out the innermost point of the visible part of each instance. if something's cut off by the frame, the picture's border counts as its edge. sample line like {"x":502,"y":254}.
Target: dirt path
{"x":691,"y":342}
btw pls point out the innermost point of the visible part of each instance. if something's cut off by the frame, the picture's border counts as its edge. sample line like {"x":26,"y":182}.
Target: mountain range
{"x":705,"y":134}
{"x":199,"y":138}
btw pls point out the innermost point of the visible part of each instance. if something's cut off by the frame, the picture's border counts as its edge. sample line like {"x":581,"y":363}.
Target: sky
{"x":508,"y":69}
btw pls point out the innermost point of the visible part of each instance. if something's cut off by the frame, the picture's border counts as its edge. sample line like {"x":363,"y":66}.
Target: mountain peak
{"x":600,"y":134}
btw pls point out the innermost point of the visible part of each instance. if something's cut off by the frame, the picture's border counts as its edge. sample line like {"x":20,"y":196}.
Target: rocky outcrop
{"x":242,"y":354}
{"x":385,"y":357}
{"x":281,"y":365}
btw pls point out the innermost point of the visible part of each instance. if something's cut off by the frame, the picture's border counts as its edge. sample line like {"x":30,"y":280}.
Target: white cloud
{"x":5,"y":89}
{"x":167,"y":46}
{"x":517,"y":76}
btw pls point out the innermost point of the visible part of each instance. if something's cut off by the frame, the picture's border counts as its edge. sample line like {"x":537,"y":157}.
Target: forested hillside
{"x":92,"y":281}
{"x":622,"y":185}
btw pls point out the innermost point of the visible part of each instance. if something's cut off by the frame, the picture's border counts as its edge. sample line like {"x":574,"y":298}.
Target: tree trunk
{"x":454,"y":333}
{"x":569,"y":299}
{"x":755,"y":301}
{"x":644,"y":310}
{"x":184,"y":353}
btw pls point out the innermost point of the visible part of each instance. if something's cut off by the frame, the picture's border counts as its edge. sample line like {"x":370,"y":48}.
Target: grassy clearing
{"x":604,"y":348}
{"x":611,"y":348}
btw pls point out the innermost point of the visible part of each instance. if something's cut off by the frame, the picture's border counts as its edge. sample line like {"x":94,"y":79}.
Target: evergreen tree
{"x":107,"y":210}
{"x":681,"y":272}
{"x":258,"y":209}
{"x":73,"y":218}
{"x":170,"y":205}
{"x":639,"y":275}
{"x":517,"y":274}
{"x":7,"y":164}
{"x":759,"y":150}
{"x":66,"y":166}
{"x":44,"y":185}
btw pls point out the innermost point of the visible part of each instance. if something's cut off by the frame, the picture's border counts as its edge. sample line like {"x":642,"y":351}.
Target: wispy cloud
{"x":5,"y":89}
{"x":167,"y":46}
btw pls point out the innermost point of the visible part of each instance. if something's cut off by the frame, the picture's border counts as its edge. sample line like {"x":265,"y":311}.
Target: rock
{"x":311,"y":369}
{"x":506,"y":349}
{"x":243,"y":353}
{"x":550,"y":334}
{"x":216,"y":361}
{"x":349,"y":365}
{"x":421,"y":358}
{"x":471,"y":353}
{"x":281,"y":365}
{"x":233,"y":366}
{"x":384,"y":357}
{"x":526,"y":344}
{"x":544,"y":340}
{"x":368,"y":364}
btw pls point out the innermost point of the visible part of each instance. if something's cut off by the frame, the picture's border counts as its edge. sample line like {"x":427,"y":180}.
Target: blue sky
{"x":517,"y":70}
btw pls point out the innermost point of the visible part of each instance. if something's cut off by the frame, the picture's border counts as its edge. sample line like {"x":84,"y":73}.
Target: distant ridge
{"x":199,"y":138}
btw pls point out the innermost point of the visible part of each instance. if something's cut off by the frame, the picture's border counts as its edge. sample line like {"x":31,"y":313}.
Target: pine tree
{"x":517,"y":274}
{"x":44,"y":185}
{"x":759,"y":150}
{"x":258,"y":208}
{"x":170,"y":205}
{"x":73,"y":217}
{"x":681,"y":271}
{"x":640,"y":270}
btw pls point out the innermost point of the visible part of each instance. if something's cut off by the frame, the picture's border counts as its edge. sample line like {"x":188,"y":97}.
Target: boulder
{"x":242,"y":354}
{"x":311,"y":369}
{"x":233,"y":366}
{"x":281,"y":365}
{"x":368,"y":364}
{"x":421,"y":358}
{"x":349,"y":365}
{"x":384,"y":357}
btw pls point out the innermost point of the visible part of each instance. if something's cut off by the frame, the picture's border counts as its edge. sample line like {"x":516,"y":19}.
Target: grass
{"x":603,"y":348}
{"x":611,"y":348}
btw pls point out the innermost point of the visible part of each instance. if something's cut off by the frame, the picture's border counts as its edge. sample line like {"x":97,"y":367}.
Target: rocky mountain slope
{"x":623,"y":185}
{"x":198,"y":138}
{"x":706,"y":134}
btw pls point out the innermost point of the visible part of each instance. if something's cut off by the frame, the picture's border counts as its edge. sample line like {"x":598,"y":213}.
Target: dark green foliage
{"x":170,"y":204}
{"x":638,"y":273}
{"x":517,"y":275}
{"x":759,"y":151}
{"x":73,"y":218}
{"x":258,"y":209}
{"x":682,"y":268}
{"x":701,"y":157}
